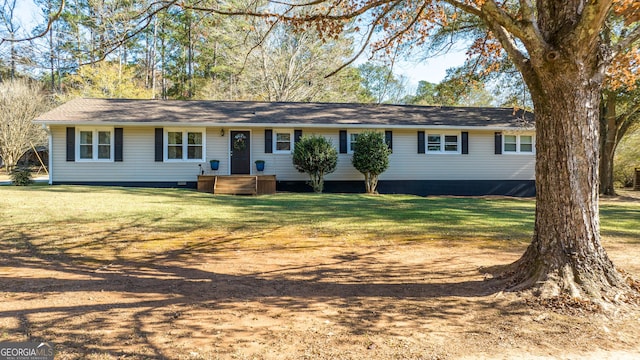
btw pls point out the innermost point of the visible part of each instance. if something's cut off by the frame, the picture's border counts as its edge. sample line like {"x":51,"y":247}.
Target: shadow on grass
{"x":55,"y":269}
{"x":388,"y":216}
{"x":148,"y":298}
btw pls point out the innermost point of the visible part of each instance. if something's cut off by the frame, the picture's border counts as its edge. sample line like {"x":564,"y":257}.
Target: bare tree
{"x":10,"y":28}
{"x":20,"y":103}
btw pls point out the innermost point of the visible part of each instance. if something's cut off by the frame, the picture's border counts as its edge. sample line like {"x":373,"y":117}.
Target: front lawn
{"x":113,"y":273}
{"x":60,"y":219}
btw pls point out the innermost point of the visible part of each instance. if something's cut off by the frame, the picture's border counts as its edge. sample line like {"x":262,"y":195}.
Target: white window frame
{"x":185,"y":144}
{"x":349,"y":133}
{"x":443,"y":136}
{"x":275,"y":141}
{"x":518,"y":150}
{"x":94,"y":143}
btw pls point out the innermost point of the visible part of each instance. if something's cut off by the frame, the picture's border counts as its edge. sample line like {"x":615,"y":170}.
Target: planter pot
{"x":260,"y":165}
{"x":215,"y":164}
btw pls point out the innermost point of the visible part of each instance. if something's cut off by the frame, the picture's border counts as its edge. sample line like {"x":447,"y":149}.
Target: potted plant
{"x":260,"y":165}
{"x":215,"y":164}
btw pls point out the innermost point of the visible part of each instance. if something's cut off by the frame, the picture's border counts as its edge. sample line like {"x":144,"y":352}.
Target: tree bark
{"x":566,"y":254}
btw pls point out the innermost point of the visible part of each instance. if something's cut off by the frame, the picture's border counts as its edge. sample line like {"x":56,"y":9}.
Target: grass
{"x":110,"y":222}
{"x":112,"y":273}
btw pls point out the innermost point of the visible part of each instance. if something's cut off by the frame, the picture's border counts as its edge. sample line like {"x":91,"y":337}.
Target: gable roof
{"x":110,"y":112}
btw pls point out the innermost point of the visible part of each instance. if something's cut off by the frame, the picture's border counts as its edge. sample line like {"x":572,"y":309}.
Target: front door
{"x":240,"y":152}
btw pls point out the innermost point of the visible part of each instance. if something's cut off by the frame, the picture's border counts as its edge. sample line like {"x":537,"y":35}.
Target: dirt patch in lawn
{"x":237,"y":296}
{"x":421,"y":301}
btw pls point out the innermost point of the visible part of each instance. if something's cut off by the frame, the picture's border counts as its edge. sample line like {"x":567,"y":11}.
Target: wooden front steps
{"x":237,"y":184}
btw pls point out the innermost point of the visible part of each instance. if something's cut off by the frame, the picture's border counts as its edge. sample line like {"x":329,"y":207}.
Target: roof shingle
{"x":151,"y":112}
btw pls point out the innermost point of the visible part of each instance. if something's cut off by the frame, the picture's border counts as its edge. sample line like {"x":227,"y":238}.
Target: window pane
{"x":104,"y":151}
{"x":194,"y":152}
{"x":433,"y":142}
{"x":283,"y":141}
{"x":194,"y":138}
{"x":86,"y":137}
{"x":174,"y":152}
{"x":510,"y":143}
{"x":451,"y":143}
{"x":353,"y":140}
{"x":526,"y":143}
{"x":104,"y":137}
{"x":86,"y":151}
{"x":174,"y":138}
{"x":283,"y":146}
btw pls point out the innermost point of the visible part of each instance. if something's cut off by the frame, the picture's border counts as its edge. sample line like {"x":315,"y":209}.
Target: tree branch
{"x":407,"y":27}
{"x":521,"y":61}
{"x":526,"y":10}
{"x":627,"y":41}
{"x":593,"y":17}
{"x":465,"y":7}
{"x":365,"y":43}
{"x":526,"y":30}
{"x":44,"y":32}
{"x":629,"y":118}
{"x":309,"y":18}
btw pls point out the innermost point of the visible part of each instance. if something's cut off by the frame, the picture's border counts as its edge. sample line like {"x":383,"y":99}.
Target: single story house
{"x":435,"y":150}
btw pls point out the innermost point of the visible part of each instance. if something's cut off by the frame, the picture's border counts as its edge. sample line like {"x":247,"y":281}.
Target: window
{"x":194,"y":145}
{"x":95,"y":144}
{"x":518,"y":144}
{"x":174,"y":146}
{"x":182,"y":145}
{"x":443,"y":143}
{"x":283,"y":141}
{"x":433,"y":142}
{"x":353,"y":139}
{"x":510,"y":143}
{"x":526,"y":143}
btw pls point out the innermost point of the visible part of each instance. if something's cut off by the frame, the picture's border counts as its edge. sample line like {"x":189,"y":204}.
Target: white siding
{"x":405,"y":163}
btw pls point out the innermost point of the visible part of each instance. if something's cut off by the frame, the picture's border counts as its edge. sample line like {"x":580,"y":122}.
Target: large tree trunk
{"x":608,"y":142}
{"x":566,"y":255}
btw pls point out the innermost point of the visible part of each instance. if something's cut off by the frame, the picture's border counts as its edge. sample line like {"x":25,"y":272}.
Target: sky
{"x":432,"y":70}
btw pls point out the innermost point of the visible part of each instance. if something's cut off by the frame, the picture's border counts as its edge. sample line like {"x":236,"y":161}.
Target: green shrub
{"x":371,"y":158}
{"x":21,"y":176}
{"x":316,"y":156}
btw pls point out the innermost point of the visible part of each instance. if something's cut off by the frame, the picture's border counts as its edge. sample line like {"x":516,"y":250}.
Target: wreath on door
{"x":239,"y":141}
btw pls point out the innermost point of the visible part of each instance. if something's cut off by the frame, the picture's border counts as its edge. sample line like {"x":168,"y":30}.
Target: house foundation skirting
{"x":517,"y":188}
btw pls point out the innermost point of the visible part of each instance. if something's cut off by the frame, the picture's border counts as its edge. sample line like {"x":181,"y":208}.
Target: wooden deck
{"x":237,"y":184}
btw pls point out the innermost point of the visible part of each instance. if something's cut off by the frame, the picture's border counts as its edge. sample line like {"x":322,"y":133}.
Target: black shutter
{"x":71,"y":144}
{"x":465,"y":142}
{"x":159,"y":144}
{"x":388,"y":138}
{"x":268,"y":141}
{"x":498,"y":143}
{"x":343,"y":141}
{"x":297,"y":134}
{"x":118,"y":139}
{"x":420,"y":142}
